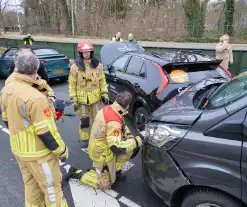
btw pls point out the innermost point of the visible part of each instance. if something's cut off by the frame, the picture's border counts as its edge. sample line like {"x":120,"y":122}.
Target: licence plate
{"x":58,"y":71}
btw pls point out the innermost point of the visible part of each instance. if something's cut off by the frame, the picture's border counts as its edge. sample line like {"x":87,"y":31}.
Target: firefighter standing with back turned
{"x":111,"y":145}
{"x":87,"y":88}
{"x":34,"y":138}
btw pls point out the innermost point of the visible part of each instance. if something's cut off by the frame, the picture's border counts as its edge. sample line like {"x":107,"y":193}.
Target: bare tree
{"x":4,"y":4}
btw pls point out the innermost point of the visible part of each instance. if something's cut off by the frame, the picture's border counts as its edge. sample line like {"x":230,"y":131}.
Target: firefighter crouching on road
{"x":111,"y":145}
{"x":34,"y":138}
{"x":87,"y":88}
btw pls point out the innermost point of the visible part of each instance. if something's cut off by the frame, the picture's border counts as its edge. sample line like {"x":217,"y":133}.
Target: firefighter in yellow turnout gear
{"x":34,"y":138}
{"x":87,"y":88}
{"x":110,"y":146}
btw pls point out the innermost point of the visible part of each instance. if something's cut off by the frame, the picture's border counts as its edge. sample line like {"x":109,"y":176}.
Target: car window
{"x":229,"y":92}
{"x":10,"y":53}
{"x":143,"y":71}
{"x":193,"y":73}
{"x":40,"y":52}
{"x":119,"y":64}
{"x":135,"y":66}
{"x":154,"y":73}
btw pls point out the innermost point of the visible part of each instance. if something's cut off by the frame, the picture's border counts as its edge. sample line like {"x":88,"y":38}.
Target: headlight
{"x":165,"y":134}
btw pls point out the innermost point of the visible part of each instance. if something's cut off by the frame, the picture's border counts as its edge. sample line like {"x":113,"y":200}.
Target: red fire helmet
{"x":85,"y":46}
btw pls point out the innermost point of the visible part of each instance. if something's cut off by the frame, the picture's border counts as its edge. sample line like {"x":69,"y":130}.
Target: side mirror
{"x":111,"y":70}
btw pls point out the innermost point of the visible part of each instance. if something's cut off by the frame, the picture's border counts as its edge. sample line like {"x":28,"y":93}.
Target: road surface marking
{"x":90,"y":197}
{"x":128,"y":202}
{"x":4,"y":129}
{"x":84,"y":195}
{"x":125,"y":167}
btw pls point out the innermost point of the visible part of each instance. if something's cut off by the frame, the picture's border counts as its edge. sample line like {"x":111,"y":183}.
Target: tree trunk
{"x":229,"y":17}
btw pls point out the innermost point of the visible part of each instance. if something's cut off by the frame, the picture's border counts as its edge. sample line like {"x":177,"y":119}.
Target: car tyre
{"x":140,"y":118}
{"x":208,"y":198}
{"x":64,"y":79}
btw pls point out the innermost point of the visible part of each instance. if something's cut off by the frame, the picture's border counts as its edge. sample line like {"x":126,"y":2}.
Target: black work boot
{"x":84,"y":143}
{"x":120,"y":175}
{"x":73,"y":173}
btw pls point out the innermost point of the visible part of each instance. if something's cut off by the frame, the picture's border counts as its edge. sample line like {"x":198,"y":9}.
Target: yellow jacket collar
{"x":26,"y":79}
{"x":119,"y":109}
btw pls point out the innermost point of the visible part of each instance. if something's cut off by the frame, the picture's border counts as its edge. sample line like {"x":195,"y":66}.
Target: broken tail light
{"x":225,"y":70}
{"x":164,"y":79}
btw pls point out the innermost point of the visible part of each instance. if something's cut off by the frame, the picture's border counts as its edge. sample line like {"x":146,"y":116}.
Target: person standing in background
{"x":28,"y":40}
{"x":131,"y":39}
{"x":224,"y":51}
{"x":117,"y":38}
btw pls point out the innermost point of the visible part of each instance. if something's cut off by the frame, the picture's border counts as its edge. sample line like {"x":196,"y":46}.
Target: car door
{"x":113,"y":76}
{"x":134,"y":78}
{"x":244,"y":161}
{"x":6,"y":59}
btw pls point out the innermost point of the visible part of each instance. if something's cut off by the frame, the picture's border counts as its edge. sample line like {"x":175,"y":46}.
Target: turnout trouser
{"x":84,"y":112}
{"x":42,"y":180}
{"x":96,"y":178}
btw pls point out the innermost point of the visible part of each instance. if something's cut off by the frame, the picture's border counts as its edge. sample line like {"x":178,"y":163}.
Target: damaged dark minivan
{"x":197,"y":150}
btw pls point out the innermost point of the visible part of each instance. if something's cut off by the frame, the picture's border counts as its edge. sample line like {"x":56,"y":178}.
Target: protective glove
{"x":144,"y":136}
{"x":139,"y":142}
{"x":76,"y":107}
{"x":105,"y":99}
{"x":64,"y":156}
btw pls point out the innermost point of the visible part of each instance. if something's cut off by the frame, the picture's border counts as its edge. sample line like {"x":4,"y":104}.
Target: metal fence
{"x":70,"y":50}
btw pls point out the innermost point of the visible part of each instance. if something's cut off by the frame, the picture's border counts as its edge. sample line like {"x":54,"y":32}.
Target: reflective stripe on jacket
{"x":87,"y":86}
{"x":29,"y":114}
{"x":108,"y":131}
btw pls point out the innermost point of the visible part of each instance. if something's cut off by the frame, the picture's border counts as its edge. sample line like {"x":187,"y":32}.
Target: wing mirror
{"x":112,"y":70}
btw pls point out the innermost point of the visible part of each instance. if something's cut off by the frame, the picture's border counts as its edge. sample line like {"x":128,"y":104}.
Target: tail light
{"x":164,"y":80}
{"x":227,"y":71}
{"x":173,"y":100}
{"x":66,"y":59}
{"x":43,"y":61}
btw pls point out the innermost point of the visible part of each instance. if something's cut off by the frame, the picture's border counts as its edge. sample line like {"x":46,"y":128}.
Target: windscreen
{"x":229,"y":92}
{"x":193,"y":73}
{"x":47,"y":51}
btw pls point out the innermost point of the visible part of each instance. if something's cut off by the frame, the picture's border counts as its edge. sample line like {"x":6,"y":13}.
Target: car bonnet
{"x":180,"y":109}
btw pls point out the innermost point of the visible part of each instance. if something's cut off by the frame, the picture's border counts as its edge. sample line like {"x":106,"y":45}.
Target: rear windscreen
{"x":40,"y":52}
{"x":193,"y":73}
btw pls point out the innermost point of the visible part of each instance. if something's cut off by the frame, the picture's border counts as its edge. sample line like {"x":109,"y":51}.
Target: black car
{"x":153,"y":78}
{"x":197,"y":150}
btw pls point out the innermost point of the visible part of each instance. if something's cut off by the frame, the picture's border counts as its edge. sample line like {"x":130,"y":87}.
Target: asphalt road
{"x":133,"y":192}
